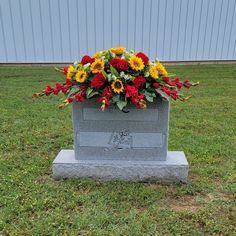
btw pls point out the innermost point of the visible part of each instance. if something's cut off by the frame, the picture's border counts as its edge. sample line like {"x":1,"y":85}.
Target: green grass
{"x":32,"y":132}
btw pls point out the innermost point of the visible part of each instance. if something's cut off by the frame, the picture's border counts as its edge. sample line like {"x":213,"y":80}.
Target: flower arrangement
{"x":118,"y":77}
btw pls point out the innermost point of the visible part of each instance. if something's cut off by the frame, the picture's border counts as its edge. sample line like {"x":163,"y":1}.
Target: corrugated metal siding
{"x":64,"y":30}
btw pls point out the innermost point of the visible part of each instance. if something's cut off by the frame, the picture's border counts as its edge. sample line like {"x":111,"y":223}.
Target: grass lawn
{"x":33,"y":130}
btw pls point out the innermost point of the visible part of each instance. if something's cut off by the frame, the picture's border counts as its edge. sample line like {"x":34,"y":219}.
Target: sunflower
{"x":70,"y":72}
{"x":136,"y":63}
{"x":117,"y":86}
{"x":97,"y":55}
{"x":153,"y":72}
{"x":117,"y":50}
{"x":97,"y":66}
{"x":161,"y":69}
{"x":81,"y":76}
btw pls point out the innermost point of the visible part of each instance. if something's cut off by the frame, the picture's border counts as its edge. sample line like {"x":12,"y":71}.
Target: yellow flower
{"x":153,"y":72}
{"x":81,"y":76}
{"x":161,"y":69}
{"x":97,"y":66}
{"x":117,"y":50}
{"x":70,"y":72}
{"x":136,"y":63}
{"x":97,"y":55}
{"x":117,"y":86}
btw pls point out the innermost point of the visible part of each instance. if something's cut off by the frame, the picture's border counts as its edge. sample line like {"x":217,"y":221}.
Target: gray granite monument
{"x":112,"y":144}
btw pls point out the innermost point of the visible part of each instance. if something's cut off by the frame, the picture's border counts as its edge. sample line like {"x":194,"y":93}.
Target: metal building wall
{"x":63,"y":30}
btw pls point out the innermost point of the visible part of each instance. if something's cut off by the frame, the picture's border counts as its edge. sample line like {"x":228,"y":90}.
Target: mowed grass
{"x":32,"y":132}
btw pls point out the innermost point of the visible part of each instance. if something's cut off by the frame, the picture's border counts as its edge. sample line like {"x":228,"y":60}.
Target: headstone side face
{"x":115,"y":135}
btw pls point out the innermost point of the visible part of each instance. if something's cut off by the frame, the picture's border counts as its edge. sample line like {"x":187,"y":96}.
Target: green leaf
{"x":93,"y":93}
{"x":162,"y":94}
{"x":73,"y":90}
{"x":90,"y":92}
{"x":116,"y":98}
{"x":121,"y":104}
{"x":148,"y":85}
{"x":105,"y":74}
{"x":114,"y":71}
{"x":171,"y":75}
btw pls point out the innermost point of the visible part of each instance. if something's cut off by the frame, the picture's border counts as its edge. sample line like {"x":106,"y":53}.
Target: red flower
{"x":69,"y":100}
{"x":58,"y":86}
{"x":79,"y":97}
{"x":174,"y":94}
{"x":139,"y":81}
{"x":68,"y":83}
{"x":171,"y":83}
{"x":64,"y":89}
{"x":104,"y":100}
{"x":83,"y":87}
{"x":156,"y":85}
{"x":48,"y":90}
{"x":122,"y":65}
{"x":179,"y":85}
{"x":144,"y":58}
{"x":176,"y":79}
{"x":166,"y":90}
{"x":114,"y":62}
{"x":166,"y":79}
{"x":187,"y":85}
{"x":136,"y":98}
{"x":130,"y":91}
{"x":65,"y":70}
{"x":55,"y":91}
{"x":98,"y":81}
{"x":107,"y":92}
{"x":86,"y":59}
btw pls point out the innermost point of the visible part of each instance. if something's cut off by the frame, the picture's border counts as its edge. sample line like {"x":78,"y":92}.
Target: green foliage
{"x":33,"y":131}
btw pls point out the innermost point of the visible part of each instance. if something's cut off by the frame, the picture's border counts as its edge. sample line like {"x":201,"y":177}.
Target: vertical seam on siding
{"x":185,"y":31}
{"x":103,"y":22}
{"x":226,"y":19}
{"x":32,"y":30}
{"x":78,"y":28}
{"x":23,"y":33}
{"x":164,"y":33}
{"x":200,"y":20}
{"x":127,"y":18}
{"x":177,"y":45}
{"x":59,"y":14}
{"x":3,"y":35}
{"x":158,"y":5}
{"x":111,"y":25}
{"x":191,"y":40}
{"x":231,"y":29}
{"x":86,"y":28}
{"x":119,"y":19}
{"x":150,"y":23}
{"x":51,"y":34}
{"x":142,"y":25}
{"x":68,"y":27}
{"x":217,"y":38}
{"x":213,"y":20}
{"x":13,"y":31}
{"x":95,"y":30}
{"x":135,"y":12}
{"x":204,"y":39}
{"x":171,"y":29}
{"x":41,"y":26}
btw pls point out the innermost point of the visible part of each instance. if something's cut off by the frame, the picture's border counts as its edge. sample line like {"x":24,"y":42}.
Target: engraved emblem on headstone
{"x":121,"y":140}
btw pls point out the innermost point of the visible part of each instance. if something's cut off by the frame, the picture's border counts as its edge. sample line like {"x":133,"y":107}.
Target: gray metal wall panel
{"x":64,"y":30}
